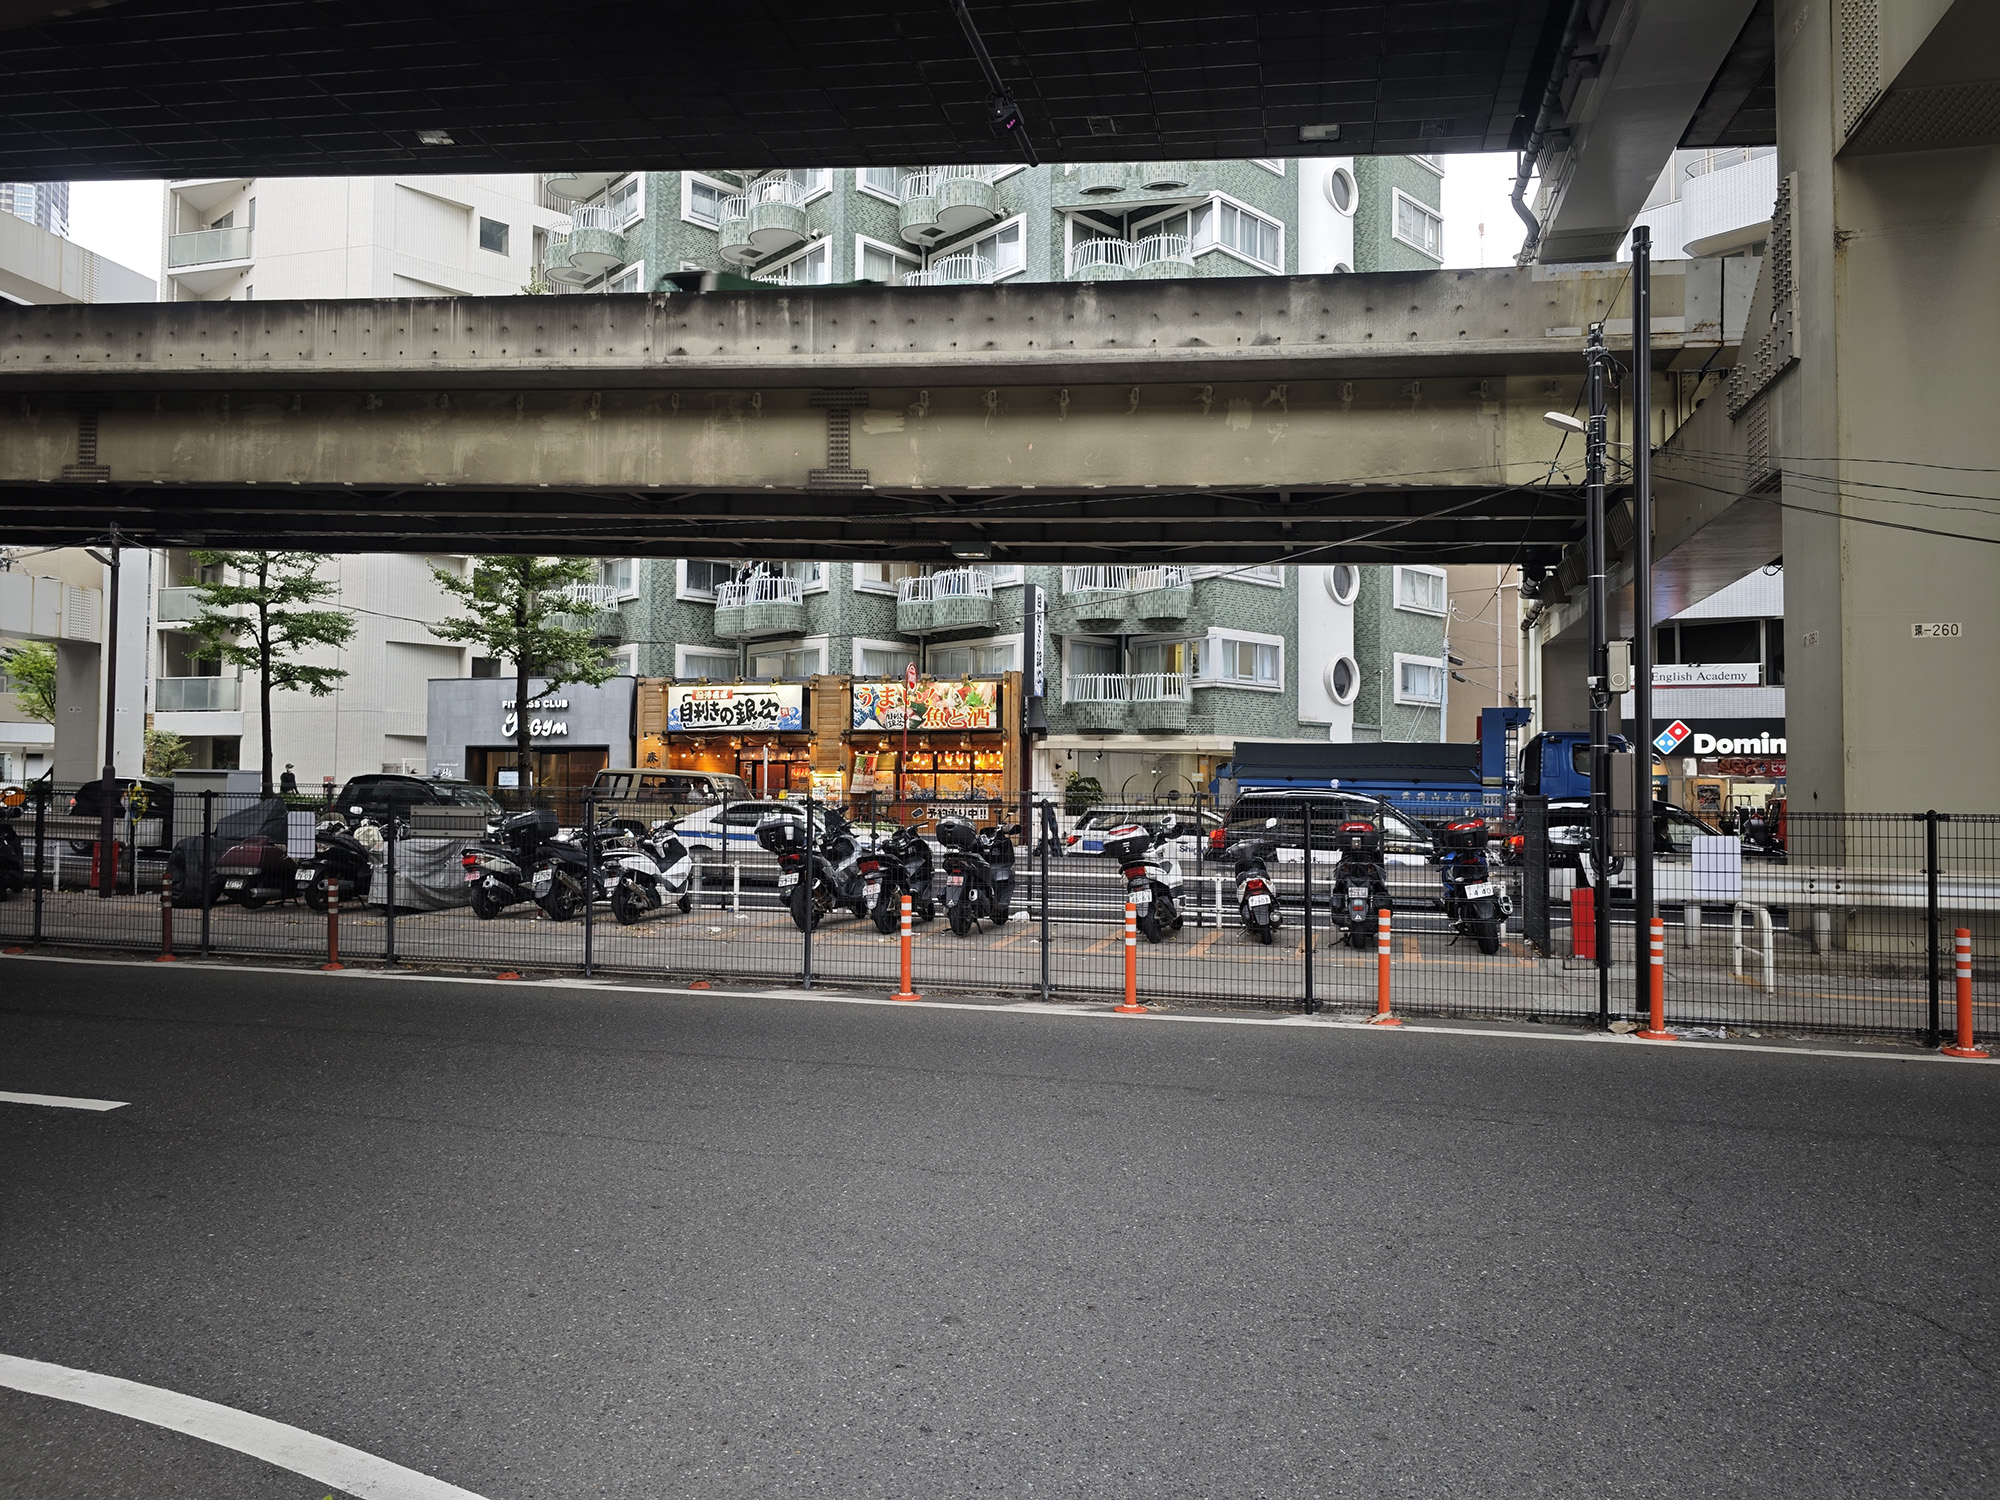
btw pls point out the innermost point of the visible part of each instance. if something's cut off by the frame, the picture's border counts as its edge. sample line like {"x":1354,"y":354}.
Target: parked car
{"x":1674,"y":832}
{"x":640,"y":796}
{"x":388,"y":794}
{"x":1404,"y":841}
{"x":1087,"y":836}
{"x":145,"y":800}
{"x":733,"y":825}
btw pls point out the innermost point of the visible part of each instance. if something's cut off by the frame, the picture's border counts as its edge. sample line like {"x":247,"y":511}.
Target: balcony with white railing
{"x":595,"y":245}
{"x":1127,"y":700}
{"x":940,"y":202}
{"x":190,"y":695}
{"x":1161,"y":257}
{"x":765,"y":605}
{"x":589,"y":598}
{"x":961,"y":269}
{"x":1099,"y":260}
{"x":205,"y":259}
{"x":1108,"y":596}
{"x":952,"y":599}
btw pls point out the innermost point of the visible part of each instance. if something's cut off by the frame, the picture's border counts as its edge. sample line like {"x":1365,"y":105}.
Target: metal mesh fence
{"x":1845,"y":927}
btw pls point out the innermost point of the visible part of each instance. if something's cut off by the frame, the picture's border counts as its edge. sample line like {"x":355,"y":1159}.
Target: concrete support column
{"x":79,"y":701}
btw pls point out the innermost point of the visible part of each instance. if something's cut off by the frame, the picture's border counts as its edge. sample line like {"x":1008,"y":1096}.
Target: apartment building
{"x":238,"y":238}
{"x":975,"y":224}
{"x":42,"y":204}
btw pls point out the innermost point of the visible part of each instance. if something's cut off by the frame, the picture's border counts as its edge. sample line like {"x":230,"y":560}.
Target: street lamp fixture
{"x":1562,"y":421}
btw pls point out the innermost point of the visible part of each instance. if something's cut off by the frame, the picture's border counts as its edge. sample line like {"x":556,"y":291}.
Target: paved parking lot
{"x":544,"y":1243}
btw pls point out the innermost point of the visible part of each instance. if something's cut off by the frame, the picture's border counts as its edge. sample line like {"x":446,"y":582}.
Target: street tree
{"x":525,"y":610}
{"x":267,"y":621}
{"x":31,"y":668}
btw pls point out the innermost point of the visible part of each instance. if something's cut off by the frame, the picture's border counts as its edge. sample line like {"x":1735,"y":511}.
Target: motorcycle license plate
{"x":305,"y":877}
{"x":872,"y":889}
{"x":956,"y":881}
{"x":786,"y":882}
{"x":1260,"y":900}
{"x":1142,"y":898}
{"x":1357,"y":893}
{"x":235,"y":885}
{"x":473,"y":877}
{"x":542,"y":881}
{"x":1481,"y":888}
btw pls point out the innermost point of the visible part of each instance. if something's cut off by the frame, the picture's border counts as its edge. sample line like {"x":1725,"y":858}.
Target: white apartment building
{"x":230,"y":239}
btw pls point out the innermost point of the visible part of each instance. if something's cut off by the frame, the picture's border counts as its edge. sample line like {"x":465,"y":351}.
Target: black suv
{"x":390,"y":794}
{"x":1401,"y":836}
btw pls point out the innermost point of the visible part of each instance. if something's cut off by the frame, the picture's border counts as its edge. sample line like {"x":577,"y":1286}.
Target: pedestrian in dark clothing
{"x":288,"y":782}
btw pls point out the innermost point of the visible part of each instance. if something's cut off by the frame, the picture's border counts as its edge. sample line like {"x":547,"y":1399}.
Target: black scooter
{"x":13,"y":867}
{"x":341,"y":861}
{"x":1256,"y":897}
{"x":1474,"y":902}
{"x":500,"y":868}
{"x":893,"y":868}
{"x":814,"y":878}
{"x":1152,"y":874}
{"x":1364,"y":885}
{"x":978,"y":872}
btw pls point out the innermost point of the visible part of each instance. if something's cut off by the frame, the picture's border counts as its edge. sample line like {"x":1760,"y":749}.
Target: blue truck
{"x":1430,"y":782}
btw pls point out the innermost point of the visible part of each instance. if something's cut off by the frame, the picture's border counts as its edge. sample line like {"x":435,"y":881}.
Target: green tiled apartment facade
{"x":1393,"y":236}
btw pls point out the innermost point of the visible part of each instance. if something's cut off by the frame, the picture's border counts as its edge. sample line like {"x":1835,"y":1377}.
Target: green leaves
{"x":30,"y":669}
{"x":262,"y":621}
{"x":520,"y":608}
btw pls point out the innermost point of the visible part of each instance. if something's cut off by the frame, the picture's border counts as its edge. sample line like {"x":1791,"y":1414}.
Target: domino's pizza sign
{"x":1669,"y":739}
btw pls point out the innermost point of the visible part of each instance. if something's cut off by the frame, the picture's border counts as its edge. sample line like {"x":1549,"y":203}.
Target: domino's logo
{"x":1670,"y":738}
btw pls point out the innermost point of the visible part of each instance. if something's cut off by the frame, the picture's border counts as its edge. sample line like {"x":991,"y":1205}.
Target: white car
{"x":732,"y":826}
{"x":1087,"y":837}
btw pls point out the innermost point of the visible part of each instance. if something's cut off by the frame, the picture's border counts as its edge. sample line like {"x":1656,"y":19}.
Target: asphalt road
{"x":546,"y":1243}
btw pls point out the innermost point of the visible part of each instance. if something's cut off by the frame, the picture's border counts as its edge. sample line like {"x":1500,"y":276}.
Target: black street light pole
{"x":1600,"y":671}
{"x":107,"y":791}
{"x":1642,"y":609}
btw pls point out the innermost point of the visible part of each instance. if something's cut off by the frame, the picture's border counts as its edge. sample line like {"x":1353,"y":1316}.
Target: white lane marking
{"x":58,"y":1101}
{"x":1058,"y":1010}
{"x":319,"y":1459}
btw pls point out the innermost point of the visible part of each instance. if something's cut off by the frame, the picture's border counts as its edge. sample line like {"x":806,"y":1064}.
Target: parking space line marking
{"x":319,"y":1459}
{"x":58,"y":1101}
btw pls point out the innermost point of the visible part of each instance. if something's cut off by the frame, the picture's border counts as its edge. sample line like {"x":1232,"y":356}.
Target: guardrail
{"x":961,"y":269}
{"x":1126,"y":687}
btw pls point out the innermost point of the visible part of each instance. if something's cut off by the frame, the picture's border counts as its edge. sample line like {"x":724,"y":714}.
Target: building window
{"x":1269,"y":164}
{"x":1343,"y":680}
{"x":875,"y":261}
{"x":1005,"y":575}
{"x":1242,"y":661}
{"x":1084,"y":658}
{"x":1419,"y":680}
{"x":616,"y":573}
{"x":1421,"y":590}
{"x":1002,"y":248}
{"x":1341,"y":191}
{"x":1223,"y":224}
{"x":626,"y":660}
{"x":883,"y":182}
{"x":973,"y":659}
{"x":813,"y":181}
{"x":701,"y":200}
{"x":700,"y":575}
{"x":631,"y":279}
{"x":712,"y":663}
{"x":786,"y":663}
{"x":1167,"y":657}
{"x":878,"y":660}
{"x":1418,"y":226}
{"x":1343,"y":582}
{"x":493,"y":236}
{"x":883,"y":577}
{"x":627,"y":201}
{"x":813,"y":267}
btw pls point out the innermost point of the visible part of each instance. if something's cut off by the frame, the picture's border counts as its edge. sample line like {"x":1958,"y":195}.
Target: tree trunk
{"x":521,"y":735}
{"x":264,"y":685}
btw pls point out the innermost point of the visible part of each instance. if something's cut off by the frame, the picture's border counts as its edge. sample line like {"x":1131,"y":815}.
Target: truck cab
{"x":1556,"y":764}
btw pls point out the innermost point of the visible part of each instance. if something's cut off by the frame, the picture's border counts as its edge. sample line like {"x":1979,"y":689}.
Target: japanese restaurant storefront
{"x":837,"y":736}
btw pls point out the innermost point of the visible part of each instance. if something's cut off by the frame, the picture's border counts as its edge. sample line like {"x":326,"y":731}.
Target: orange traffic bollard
{"x":1131,"y":1007}
{"x":1382,"y":1016}
{"x":1961,"y":942}
{"x":907,"y":992}
{"x":1656,"y":1029}
{"x":166,"y":953}
{"x":333,"y":927}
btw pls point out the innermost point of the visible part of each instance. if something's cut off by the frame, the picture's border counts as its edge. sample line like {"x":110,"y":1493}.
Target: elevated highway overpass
{"x":1358,"y":417}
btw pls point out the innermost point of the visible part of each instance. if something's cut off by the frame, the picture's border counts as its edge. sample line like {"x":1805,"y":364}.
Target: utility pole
{"x":1600,"y":672}
{"x":107,"y":791}
{"x":1642,"y":604}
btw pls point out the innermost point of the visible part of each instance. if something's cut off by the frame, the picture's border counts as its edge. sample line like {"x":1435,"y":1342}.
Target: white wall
{"x":1326,"y":633}
{"x":1326,"y":235}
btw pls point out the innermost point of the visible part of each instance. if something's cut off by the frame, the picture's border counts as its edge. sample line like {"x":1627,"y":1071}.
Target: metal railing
{"x":761,"y":590}
{"x":782,"y":188}
{"x":591,"y":216}
{"x":952,"y":583}
{"x":1126,"y":687}
{"x":173,"y":605}
{"x":174,"y":695}
{"x":591,"y":596}
{"x":1122,"y":578}
{"x":961,"y":269}
{"x":1733,"y":156}
{"x":928,"y":182}
{"x":1087,"y":253}
{"x":1158,"y":247}
{"x":207,"y":246}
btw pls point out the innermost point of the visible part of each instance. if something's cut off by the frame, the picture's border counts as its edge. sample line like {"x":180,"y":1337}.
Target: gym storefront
{"x":574,"y":731}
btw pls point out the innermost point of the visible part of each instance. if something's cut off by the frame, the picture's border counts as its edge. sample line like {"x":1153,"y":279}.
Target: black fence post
{"x":1533,"y":817}
{"x":1306,"y":879}
{"x":1047,"y":823}
{"x":204,"y":881}
{"x":41,"y":844}
{"x":805,"y":889}
{"x":389,"y":895}
{"x":589,"y":876}
{"x":1932,"y":923}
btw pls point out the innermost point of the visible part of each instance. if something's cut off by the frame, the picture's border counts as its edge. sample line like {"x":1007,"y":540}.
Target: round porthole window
{"x":1343,"y":677}
{"x":1343,"y":582}
{"x":1340,"y":190}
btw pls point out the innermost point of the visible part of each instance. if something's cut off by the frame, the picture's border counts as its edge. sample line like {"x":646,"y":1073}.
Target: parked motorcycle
{"x":13,"y":867}
{"x":571,"y":873}
{"x":645,"y":877}
{"x":501,"y":867}
{"x":1256,"y":897}
{"x":1475,"y":904}
{"x":814,"y":878}
{"x":342,"y":861}
{"x":257,"y":871}
{"x":1364,"y":883}
{"x":893,"y":868}
{"x":1152,"y":873}
{"x":978,"y":872}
